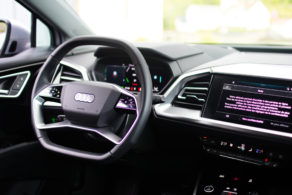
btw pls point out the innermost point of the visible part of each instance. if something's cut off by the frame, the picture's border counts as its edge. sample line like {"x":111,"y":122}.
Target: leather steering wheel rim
{"x":145,"y":96}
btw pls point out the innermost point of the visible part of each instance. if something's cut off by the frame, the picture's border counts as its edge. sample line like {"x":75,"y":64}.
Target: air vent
{"x":66,"y":73}
{"x":194,"y":94}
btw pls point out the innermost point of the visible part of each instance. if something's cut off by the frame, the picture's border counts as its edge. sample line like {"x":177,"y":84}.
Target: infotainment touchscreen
{"x":248,"y":101}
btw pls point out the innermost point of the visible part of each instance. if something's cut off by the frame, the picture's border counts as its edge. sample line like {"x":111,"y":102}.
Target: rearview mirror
{"x":13,"y":38}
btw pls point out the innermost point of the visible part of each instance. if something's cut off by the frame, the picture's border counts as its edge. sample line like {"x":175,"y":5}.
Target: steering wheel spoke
{"x":52,"y":104}
{"x":103,"y":132}
{"x":48,"y":102}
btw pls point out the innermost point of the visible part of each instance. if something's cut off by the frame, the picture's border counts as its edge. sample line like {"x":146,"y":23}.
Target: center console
{"x":248,"y":102}
{"x":226,"y":182}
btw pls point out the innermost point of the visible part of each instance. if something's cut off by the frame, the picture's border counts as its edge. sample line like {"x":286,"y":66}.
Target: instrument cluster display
{"x":125,"y":76}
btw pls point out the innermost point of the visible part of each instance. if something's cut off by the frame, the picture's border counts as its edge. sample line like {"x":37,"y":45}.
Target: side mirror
{"x":13,"y":38}
{"x":4,"y":34}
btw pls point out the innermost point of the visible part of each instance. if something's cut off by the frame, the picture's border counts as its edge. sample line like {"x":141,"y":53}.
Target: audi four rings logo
{"x":84,"y":97}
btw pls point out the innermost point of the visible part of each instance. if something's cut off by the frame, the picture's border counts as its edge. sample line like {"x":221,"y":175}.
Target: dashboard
{"x":235,"y":94}
{"x":238,"y":92}
{"x":213,"y":90}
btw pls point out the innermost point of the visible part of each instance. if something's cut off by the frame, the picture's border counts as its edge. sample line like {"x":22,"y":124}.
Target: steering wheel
{"x":92,"y":106}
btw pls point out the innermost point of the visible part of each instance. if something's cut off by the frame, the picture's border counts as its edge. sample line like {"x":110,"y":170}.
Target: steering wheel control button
{"x":209,"y":189}
{"x":55,"y":92}
{"x":19,"y":81}
{"x":126,"y":103}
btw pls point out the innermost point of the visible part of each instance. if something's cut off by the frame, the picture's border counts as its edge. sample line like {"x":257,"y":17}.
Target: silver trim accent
{"x":52,"y":104}
{"x":229,"y":192}
{"x":5,"y":92}
{"x":22,"y":67}
{"x":194,"y":116}
{"x":209,"y":189}
{"x":167,"y":110}
{"x":197,"y":88}
{"x":22,"y":87}
{"x":180,"y":81}
{"x":70,"y":78}
{"x":199,"y":99}
{"x":102,"y":132}
{"x":84,"y":97}
{"x":57,"y":75}
{"x":193,"y":96}
{"x":239,"y":159}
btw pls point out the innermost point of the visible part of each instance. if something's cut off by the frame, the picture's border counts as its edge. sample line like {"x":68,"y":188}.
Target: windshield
{"x":192,"y":21}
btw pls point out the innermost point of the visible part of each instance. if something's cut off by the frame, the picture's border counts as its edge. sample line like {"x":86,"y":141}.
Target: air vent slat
{"x":189,"y":105}
{"x":71,"y":74}
{"x":194,"y":93}
{"x":67,"y":74}
{"x":70,"y":78}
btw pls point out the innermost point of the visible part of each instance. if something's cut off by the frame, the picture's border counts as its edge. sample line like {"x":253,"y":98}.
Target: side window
{"x":37,"y":33}
{"x":16,"y":13}
{"x":43,"y":34}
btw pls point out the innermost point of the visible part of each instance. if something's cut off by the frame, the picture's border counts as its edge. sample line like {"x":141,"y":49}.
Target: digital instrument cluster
{"x":125,"y":76}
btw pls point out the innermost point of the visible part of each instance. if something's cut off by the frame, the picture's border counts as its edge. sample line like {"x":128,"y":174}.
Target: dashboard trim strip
{"x":194,"y":116}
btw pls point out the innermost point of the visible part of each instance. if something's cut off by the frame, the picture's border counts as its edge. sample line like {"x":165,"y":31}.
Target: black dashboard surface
{"x":167,"y":63}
